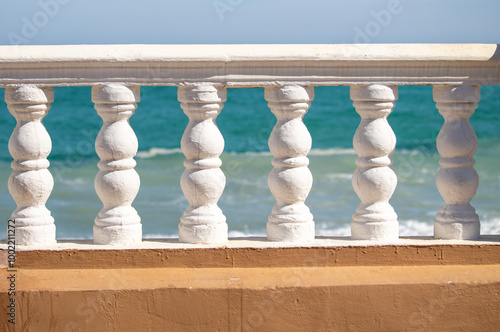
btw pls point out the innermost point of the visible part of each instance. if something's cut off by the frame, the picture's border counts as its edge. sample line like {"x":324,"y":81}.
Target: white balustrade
{"x":374,"y":181}
{"x":289,"y":74}
{"x":30,"y":183}
{"x":117,"y":183}
{"x":457,"y":181}
{"x":290,"y":181}
{"x":203,"y":181}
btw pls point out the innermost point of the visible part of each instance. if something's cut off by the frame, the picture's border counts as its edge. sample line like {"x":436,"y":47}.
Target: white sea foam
{"x":251,"y":153}
{"x":415,"y":228}
{"x":233,"y":234}
{"x":406,"y":228}
{"x":331,"y":152}
{"x":336,"y":176}
{"x":323,"y":230}
{"x":491,"y":226}
{"x":77,"y":181}
{"x":160,"y":236}
{"x":71,"y":237}
{"x":153,"y":152}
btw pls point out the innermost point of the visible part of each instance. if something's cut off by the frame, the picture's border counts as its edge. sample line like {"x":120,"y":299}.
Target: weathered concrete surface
{"x":356,"y":288}
{"x":374,"y":181}
{"x":251,"y":65}
{"x":117,"y":183}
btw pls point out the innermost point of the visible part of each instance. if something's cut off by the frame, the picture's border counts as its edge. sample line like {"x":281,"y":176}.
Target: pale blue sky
{"x":248,"y":21}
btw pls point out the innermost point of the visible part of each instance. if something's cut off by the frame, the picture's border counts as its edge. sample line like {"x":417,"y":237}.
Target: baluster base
{"x":206,"y":233}
{"x":290,"y":223}
{"x":457,"y":221}
{"x":290,"y":232}
{"x":36,"y":235}
{"x":456,"y":230}
{"x":120,"y":225}
{"x":118,"y":235}
{"x":376,"y":230}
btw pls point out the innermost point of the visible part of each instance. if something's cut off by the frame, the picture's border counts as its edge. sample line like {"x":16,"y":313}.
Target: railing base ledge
{"x":384,"y":287}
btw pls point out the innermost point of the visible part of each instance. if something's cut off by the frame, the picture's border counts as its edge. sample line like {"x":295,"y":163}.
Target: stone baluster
{"x":31,"y":183}
{"x":457,"y":181}
{"x":117,"y":183}
{"x":203,"y":181}
{"x":290,"y":181}
{"x":374,"y":181}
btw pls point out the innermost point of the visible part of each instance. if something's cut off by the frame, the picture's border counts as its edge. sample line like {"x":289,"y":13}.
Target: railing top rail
{"x":251,"y":65}
{"x":248,"y":52}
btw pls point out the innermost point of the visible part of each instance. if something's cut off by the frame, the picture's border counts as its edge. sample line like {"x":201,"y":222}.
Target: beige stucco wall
{"x":356,"y":288}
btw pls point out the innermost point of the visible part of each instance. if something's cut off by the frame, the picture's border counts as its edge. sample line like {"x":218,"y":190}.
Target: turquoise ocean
{"x":246,"y":123}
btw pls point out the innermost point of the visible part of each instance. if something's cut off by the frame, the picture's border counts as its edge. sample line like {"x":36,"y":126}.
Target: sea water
{"x":246,"y":123}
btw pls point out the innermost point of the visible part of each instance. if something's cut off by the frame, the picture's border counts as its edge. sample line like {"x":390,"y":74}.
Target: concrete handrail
{"x":251,"y":65}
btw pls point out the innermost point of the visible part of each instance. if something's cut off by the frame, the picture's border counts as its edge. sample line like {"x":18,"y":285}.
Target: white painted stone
{"x":203,"y":181}
{"x":251,"y":65}
{"x":30,"y":183}
{"x":374,"y":181}
{"x":457,"y":181}
{"x":117,"y":183}
{"x":451,"y":65}
{"x":290,"y":181}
